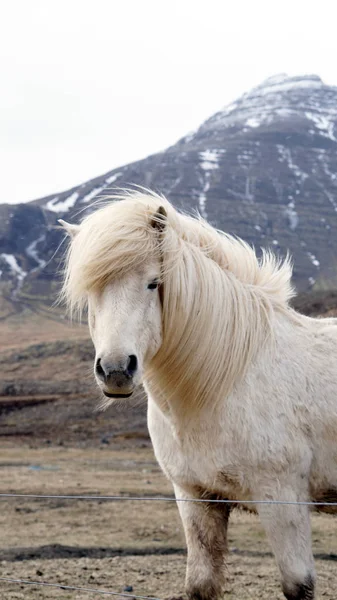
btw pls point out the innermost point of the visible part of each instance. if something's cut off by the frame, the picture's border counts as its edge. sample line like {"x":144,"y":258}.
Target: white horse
{"x":242,"y":390}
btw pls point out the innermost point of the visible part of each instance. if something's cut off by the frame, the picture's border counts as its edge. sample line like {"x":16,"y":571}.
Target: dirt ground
{"x":111,"y":545}
{"x":20,"y":325}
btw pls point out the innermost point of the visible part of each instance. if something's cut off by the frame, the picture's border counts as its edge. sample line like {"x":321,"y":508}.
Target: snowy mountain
{"x":263,"y":168}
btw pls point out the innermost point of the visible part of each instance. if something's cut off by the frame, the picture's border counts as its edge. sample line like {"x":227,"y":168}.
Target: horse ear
{"x":158,"y":220}
{"x":71,"y":230}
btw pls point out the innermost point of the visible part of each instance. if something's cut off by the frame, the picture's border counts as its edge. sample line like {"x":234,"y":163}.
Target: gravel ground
{"x":117,"y":545}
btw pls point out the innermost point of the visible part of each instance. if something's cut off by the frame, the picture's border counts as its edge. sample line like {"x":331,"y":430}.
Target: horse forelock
{"x":218,"y":298}
{"x":111,"y":242}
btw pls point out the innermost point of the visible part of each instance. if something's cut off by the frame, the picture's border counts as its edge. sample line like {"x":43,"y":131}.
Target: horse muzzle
{"x":116,"y":380}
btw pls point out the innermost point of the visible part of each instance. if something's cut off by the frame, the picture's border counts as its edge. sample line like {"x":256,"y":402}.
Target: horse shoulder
{"x":186,"y":459}
{"x":164,"y":440}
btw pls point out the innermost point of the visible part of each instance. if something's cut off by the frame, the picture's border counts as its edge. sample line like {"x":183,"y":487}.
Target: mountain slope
{"x":263,"y":168}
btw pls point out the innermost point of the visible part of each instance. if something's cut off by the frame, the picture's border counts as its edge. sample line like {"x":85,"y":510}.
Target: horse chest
{"x":202,"y":462}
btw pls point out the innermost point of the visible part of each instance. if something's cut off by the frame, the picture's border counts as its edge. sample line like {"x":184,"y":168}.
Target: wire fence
{"x":75,"y":588}
{"x":135,"y":498}
{"x":164,"y":499}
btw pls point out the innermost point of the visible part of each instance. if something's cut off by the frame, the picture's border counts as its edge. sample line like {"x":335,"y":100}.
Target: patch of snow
{"x":322,"y":158}
{"x":288,"y":83}
{"x":275,"y":242}
{"x":253,"y":122}
{"x":313,"y":259}
{"x":257,"y":227}
{"x":285,"y":112}
{"x":92,"y":194}
{"x":322,"y":123}
{"x":202,"y":200}
{"x":245,"y":157}
{"x":113,"y":178}
{"x":14,"y":266}
{"x":32,"y":252}
{"x":285,"y":155}
{"x":97,"y":190}
{"x":51,"y":203}
{"x":245,"y":160}
{"x":63,"y":205}
{"x":210,"y":159}
{"x":292,"y":215}
{"x":266,"y":115}
{"x":174,"y":184}
{"x":312,"y":281}
{"x":248,"y":190}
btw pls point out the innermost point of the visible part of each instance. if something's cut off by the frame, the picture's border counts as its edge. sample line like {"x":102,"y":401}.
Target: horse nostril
{"x":132,"y":365}
{"x":99,"y":369}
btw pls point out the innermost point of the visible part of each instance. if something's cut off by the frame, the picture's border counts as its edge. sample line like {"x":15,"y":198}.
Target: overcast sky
{"x":87,"y":86}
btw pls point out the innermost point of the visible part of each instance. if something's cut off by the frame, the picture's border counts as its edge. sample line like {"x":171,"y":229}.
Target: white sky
{"x":87,"y":86}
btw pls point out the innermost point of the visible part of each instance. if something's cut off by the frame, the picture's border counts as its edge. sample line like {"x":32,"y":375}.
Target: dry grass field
{"x":111,"y":545}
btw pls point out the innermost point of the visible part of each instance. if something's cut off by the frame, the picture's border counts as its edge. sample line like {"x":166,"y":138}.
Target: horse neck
{"x":208,"y":344}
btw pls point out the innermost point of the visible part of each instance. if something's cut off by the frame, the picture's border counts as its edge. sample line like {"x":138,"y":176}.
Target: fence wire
{"x":162,"y":499}
{"x":134,"y":498}
{"x":75,"y":588}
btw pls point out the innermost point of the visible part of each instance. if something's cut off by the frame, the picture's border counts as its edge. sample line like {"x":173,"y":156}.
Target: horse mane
{"x":218,"y":297}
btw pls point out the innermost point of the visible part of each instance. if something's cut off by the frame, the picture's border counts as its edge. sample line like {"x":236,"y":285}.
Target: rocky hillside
{"x":263,"y":168}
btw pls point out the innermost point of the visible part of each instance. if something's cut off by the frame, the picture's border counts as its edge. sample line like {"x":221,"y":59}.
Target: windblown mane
{"x":218,"y":298}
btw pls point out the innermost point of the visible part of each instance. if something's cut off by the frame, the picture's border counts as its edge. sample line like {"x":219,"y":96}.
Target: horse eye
{"x":153,"y":285}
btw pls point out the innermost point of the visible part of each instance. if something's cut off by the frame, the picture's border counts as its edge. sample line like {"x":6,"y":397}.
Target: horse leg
{"x":289,"y":532}
{"x":205,"y":526}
